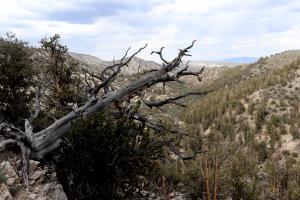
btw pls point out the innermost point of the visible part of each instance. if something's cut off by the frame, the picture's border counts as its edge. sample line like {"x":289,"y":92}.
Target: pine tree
{"x":16,"y":77}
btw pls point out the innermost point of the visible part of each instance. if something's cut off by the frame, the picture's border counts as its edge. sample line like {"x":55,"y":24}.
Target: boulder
{"x":36,"y":174}
{"x":33,"y":165}
{"x":7,"y":169}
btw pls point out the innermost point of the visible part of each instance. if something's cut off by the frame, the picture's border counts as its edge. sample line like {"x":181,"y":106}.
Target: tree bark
{"x":48,"y":139}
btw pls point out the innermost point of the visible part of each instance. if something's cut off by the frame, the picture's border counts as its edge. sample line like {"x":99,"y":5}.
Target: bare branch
{"x":38,"y":96}
{"x":25,"y":163}
{"x":176,"y":61}
{"x":184,"y":72}
{"x":184,"y":158}
{"x":157,"y":127}
{"x":92,"y":74}
{"x":148,"y":71}
{"x":3,"y":125}
{"x":166,"y":142}
{"x":45,"y":141}
{"x":125,"y":55}
{"x":4,"y":143}
{"x":154,"y":126}
{"x":37,"y":108}
{"x":10,"y":131}
{"x":37,"y":103}
{"x":51,"y":116}
{"x":160,"y":55}
{"x":116,"y":68}
{"x":173,"y":100}
{"x":17,"y":129}
{"x":161,"y":129}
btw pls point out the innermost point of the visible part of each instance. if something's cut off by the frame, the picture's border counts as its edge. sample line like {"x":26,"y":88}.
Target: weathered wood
{"x":4,"y":143}
{"x":47,"y":140}
{"x":25,"y":163}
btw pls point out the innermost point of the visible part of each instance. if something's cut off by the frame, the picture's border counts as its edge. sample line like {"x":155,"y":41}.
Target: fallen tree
{"x":36,"y":145}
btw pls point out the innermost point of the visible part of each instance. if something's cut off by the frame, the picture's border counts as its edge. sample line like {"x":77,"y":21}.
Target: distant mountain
{"x":239,"y":60}
{"x":135,"y":65}
{"x":90,"y":60}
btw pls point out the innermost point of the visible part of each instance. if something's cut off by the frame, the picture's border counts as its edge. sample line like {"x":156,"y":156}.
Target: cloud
{"x":223,"y":28}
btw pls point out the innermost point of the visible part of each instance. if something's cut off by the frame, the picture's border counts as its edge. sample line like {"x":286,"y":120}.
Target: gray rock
{"x":32,"y":165}
{"x":46,"y":187}
{"x":10,"y":181}
{"x":59,"y":193}
{"x":7,"y":169}
{"x":31,"y":182}
{"x":31,"y":196}
{"x":4,"y":193}
{"x":36,"y":174}
{"x":41,"y":187}
{"x":41,"y":198}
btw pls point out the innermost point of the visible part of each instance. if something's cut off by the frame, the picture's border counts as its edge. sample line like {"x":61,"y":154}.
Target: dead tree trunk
{"x":41,"y":143}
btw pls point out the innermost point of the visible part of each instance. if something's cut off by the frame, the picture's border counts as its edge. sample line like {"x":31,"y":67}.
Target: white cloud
{"x":223,"y":28}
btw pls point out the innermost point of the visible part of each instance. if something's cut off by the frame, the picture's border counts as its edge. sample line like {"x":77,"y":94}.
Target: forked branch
{"x":116,"y":69}
{"x":47,"y":140}
{"x":161,"y":55}
{"x":173,"y":100}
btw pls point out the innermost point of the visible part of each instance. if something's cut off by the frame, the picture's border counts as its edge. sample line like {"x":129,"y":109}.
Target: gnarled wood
{"x":47,"y":140}
{"x":25,"y":163}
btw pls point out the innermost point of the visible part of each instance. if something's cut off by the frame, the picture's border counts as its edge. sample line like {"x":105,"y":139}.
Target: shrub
{"x":261,"y":113}
{"x":286,"y":152}
{"x":251,"y":108}
{"x":275,"y":120}
{"x":106,"y":158}
{"x":13,"y":190}
{"x":66,"y":88}
{"x":3,"y":178}
{"x":273,"y":102}
{"x":295,"y":154}
{"x":262,"y":150}
{"x":294,"y":192}
{"x":294,"y":132}
{"x":16,"y":76}
{"x":239,"y":108}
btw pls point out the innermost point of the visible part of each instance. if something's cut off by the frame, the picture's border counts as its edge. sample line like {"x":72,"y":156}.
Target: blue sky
{"x":222,"y":28}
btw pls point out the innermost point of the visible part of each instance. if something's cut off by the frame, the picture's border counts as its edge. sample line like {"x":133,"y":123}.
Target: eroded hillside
{"x":247,"y":126}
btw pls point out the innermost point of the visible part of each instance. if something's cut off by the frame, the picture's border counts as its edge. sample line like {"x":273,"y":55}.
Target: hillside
{"x":247,"y":129}
{"x":272,"y":62}
{"x":239,"y":60}
{"x":251,"y":121}
{"x":249,"y":125}
{"x":138,"y":64}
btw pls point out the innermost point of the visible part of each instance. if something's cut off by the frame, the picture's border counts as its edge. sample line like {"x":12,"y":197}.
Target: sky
{"x":222,"y":28}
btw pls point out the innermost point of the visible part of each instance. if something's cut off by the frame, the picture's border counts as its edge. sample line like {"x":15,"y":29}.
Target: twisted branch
{"x":173,"y":100}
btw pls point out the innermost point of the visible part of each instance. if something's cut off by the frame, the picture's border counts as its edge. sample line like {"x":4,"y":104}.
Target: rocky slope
{"x":262,"y":97}
{"x":269,"y":63}
{"x":43,"y":184}
{"x":139,"y":65}
{"x":250,"y":126}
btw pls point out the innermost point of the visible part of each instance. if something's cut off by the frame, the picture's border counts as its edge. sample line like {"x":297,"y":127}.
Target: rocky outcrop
{"x":43,"y":184}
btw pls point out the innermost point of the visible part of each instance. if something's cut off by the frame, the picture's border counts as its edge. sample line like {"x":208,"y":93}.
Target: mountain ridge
{"x":239,"y":60}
